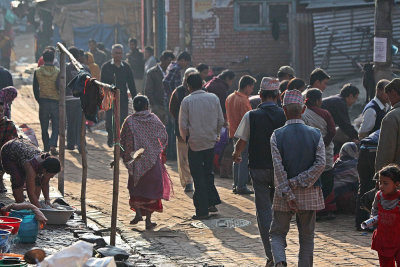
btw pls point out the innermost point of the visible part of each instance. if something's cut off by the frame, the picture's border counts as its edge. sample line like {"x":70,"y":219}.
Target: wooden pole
{"x":116,"y":168}
{"x":383,"y":31}
{"x":84,"y":168}
{"x":61,"y":135}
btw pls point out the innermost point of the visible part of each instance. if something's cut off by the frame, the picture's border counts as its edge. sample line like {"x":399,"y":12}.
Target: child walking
{"x":386,"y":237}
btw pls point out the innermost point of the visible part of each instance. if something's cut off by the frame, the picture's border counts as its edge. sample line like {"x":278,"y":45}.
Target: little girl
{"x":386,"y":237}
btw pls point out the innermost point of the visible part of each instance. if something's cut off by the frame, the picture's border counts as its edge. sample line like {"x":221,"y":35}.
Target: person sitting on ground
{"x":319,"y":79}
{"x":9,"y":132}
{"x":27,"y":164}
{"x":148,"y":178}
{"x":346,"y":178}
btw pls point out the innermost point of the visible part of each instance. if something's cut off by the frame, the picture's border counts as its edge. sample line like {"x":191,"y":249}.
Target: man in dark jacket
{"x":338,"y":106}
{"x":119,"y":73}
{"x":154,"y":88}
{"x":220,"y":85}
{"x":135,"y":58}
{"x":256,"y":129}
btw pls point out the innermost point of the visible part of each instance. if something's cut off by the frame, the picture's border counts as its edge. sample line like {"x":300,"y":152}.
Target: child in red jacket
{"x":386,"y":237}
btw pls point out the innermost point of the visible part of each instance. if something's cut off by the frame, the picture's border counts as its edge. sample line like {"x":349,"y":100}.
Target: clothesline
{"x":78,"y":66}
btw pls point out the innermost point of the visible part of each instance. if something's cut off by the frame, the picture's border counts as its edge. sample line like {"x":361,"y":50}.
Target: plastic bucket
{"x":28,"y":229}
{"x":11,"y":221}
{"x":6,"y":227}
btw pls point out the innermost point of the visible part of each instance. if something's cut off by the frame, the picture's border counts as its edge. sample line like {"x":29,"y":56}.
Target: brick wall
{"x":221,"y":47}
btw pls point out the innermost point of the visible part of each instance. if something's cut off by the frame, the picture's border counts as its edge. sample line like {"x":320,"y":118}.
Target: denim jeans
{"x":201,"y":169}
{"x":241,"y":170}
{"x":48,"y":111}
{"x":305,"y":220}
{"x":123,"y":113}
{"x":263,"y":184}
{"x":74,"y":121}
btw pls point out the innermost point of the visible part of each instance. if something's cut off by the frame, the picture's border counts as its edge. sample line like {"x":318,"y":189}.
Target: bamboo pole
{"x":84,"y":168}
{"x":116,"y":167}
{"x":61,"y":135}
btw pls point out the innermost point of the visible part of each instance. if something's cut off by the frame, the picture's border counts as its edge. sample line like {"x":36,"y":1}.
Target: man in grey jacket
{"x":200,"y":122}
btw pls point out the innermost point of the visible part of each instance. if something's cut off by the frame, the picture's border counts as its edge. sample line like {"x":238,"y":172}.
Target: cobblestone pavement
{"x":175,"y":241}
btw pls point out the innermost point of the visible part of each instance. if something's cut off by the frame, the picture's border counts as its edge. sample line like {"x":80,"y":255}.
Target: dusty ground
{"x":175,"y":241}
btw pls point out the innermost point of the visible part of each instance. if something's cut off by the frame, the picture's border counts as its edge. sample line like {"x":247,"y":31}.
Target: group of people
{"x":300,"y":151}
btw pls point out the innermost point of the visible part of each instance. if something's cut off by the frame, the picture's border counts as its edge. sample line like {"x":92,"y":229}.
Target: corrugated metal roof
{"x":316,"y":4}
{"x":347,"y":26}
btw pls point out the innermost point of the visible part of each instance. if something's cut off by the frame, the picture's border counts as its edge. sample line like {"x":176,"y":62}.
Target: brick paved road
{"x":175,"y":242}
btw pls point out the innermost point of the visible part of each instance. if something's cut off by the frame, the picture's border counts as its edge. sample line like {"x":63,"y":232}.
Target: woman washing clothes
{"x":27,"y":164}
{"x":148,"y":179}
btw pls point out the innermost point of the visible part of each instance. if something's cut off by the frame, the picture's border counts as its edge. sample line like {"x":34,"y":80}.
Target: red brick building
{"x":245,"y":36}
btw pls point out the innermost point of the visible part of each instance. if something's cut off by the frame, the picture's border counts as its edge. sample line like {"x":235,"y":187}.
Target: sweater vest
{"x":263,"y":121}
{"x":380,"y":114}
{"x":47,"y":79}
{"x":297,"y":143}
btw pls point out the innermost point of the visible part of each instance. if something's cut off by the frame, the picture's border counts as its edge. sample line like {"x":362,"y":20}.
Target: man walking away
{"x":338,"y":106}
{"x":374,"y":111}
{"x":200,"y":122}
{"x":298,"y":154}
{"x":135,"y":60}
{"x":237,"y":104}
{"x":117,"y":72}
{"x":154,"y":89}
{"x":45,"y":89}
{"x":99,"y":56}
{"x":389,"y":138}
{"x":256,"y":129}
{"x":319,"y":79}
{"x":181,"y":146}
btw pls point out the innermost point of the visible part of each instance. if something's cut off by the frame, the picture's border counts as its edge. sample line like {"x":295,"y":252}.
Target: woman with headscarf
{"x":346,"y":177}
{"x":7,"y":96}
{"x":93,"y":67}
{"x":148,"y":178}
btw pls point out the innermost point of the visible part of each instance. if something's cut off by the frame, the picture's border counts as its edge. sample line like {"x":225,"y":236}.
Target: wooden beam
{"x":61,"y":106}
{"x":84,"y":168}
{"x":116,"y":168}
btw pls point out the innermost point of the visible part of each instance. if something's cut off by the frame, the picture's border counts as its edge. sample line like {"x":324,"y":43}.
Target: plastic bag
{"x":72,"y":256}
{"x":103,"y":262}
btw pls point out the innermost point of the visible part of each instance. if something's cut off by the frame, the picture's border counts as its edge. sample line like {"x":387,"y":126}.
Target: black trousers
{"x":366,"y":172}
{"x":201,"y":169}
{"x":109,"y":118}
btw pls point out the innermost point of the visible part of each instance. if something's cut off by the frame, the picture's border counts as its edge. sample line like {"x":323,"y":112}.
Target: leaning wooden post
{"x":84,"y":168}
{"x":61,"y":107}
{"x":116,"y":167}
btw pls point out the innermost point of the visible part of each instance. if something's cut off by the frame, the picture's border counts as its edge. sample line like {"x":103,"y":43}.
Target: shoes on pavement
{"x":270,"y":263}
{"x":281,"y":264}
{"x":212,"y":209}
{"x":201,"y":217}
{"x":234,"y":189}
{"x":53,"y":151}
{"x":189,"y":188}
{"x":244,"y":191}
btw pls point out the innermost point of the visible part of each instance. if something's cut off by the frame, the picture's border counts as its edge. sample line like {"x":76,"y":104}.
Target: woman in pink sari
{"x":148,"y":179}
